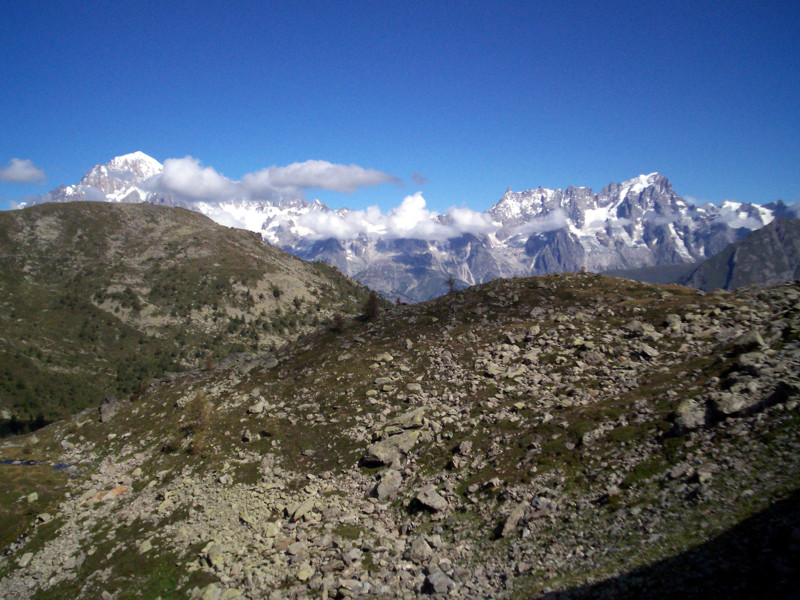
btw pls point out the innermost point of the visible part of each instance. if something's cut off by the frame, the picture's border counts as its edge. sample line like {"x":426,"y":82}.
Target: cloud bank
{"x":21,"y":171}
{"x":552,"y":221}
{"x":410,"y":220}
{"x":730,"y":214}
{"x":189,"y":180}
{"x":319,"y":174}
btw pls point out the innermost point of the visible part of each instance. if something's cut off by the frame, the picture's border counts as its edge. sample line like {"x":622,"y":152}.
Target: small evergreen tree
{"x":450,"y":282}
{"x":338,"y":323}
{"x":372,"y":306}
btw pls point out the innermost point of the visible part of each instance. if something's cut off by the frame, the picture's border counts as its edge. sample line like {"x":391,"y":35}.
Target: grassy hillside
{"x":98,"y":297}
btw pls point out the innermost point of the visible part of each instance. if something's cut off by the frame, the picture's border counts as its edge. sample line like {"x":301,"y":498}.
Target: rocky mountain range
{"x":410,"y":253}
{"x":100,"y":298}
{"x":561,"y":437}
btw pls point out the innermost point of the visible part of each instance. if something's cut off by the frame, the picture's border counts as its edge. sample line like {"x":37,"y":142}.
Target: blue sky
{"x":473,"y":96}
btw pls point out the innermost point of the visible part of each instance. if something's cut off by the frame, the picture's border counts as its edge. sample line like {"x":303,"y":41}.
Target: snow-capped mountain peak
{"x":137,"y":162}
{"x":122,"y":172}
{"x":638,"y":184}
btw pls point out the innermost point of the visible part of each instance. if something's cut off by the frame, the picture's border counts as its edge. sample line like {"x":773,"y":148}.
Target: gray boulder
{"x":691,"y":414}
{"x":429,"y":498}
{"x":419,"y":551}
{"x":380,"y":454}
{"x":108,"y":408}
{"x":513,"y":520}
{"x":388,"y":485}
{"x":749,"y":341}
{"x":437,"y":582}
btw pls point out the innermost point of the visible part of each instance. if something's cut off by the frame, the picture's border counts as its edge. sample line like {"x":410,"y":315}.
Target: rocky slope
{"x":410,"y":253}
{"x":98,"y":298}
{"x":561,"y":436}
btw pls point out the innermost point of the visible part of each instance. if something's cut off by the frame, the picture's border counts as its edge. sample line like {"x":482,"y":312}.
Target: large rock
{"x":297,"y":512}
{"x":257,"y":408}
{"x":727,"y":404}
{"x":751,"y":362}
{"x":213,"y":555}
{"x":493,"y":370}
{"x":412,"y":419}
{"x":513,"y":520}
{"x":388,"y":485}
{"x":430,"y":498}
{"x":405,"y":441}
{"x":691,"y":414}
{"x":381,"y":454}
{"x":213,"y":591}
{"x":749,"y":341}
{"x":391,"y":450}
{"x":25,"y":560}
{"x":419,"y":551}
{"x":437,"y":582}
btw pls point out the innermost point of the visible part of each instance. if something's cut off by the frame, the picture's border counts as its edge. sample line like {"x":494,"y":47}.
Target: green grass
{"x":17,"y":482}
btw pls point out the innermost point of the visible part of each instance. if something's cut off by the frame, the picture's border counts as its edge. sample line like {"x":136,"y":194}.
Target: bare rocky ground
{"x":566,"y":436}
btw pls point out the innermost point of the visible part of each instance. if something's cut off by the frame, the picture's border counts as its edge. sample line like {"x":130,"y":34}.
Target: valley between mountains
{"x":560,"y":436}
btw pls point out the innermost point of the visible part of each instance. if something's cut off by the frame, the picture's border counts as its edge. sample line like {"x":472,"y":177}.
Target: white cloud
{"x":21,"y":171}
{"x":410,"y":220}
{"x":661,"y":219}
{"x":341,"y":226}
{"x":323,"y":175}
{"x":319,"y":174}
{"x":731,"y":215}
{"x":466,"y":220}
{"x":550,"y":222}
{"x":189,"y":180}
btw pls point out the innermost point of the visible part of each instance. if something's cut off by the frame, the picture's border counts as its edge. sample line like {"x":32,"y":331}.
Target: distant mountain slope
{"x":663,"y":274}
{"x":410,"y":253}
{"x":768,"y":256}
{"x":96,"y":297}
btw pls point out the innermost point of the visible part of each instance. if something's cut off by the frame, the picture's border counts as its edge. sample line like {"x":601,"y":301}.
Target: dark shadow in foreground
{"x":759,"y":558}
